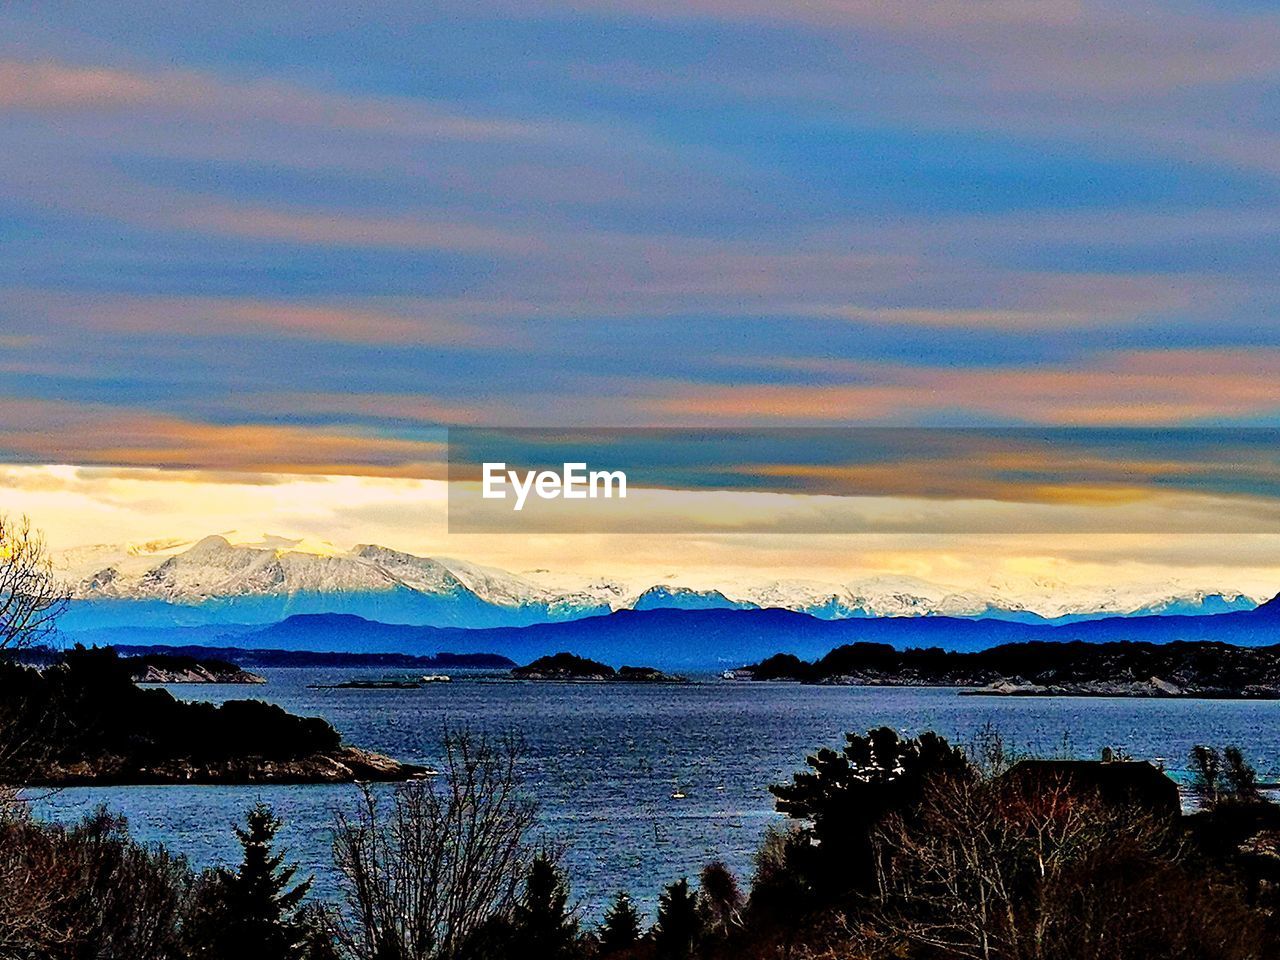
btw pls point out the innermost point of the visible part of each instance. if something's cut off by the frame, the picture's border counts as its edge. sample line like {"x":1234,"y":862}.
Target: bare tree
{"x":87,"y":890}
{"x":997,"y":870}
{"x":427,"y":868}
{"x":31,"y":599}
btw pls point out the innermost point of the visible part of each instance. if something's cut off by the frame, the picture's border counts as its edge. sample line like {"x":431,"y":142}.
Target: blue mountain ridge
{"x":461,"y":607}
{"x":698,"y":638}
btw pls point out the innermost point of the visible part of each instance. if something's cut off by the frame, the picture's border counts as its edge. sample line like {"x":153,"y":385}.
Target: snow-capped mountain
{"x":230,"y":579}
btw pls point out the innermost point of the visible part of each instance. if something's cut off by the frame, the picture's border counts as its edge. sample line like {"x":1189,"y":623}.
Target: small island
{"x":1118,"y":669}
{"x":383,"y":683}
{"x":83,"y":720}
{"x":567,"y":666}
{"x":163,"y":668}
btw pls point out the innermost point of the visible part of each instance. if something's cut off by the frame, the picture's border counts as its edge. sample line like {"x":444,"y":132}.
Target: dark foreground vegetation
{"x":898,"y":848}
{"x":1198,"y":669}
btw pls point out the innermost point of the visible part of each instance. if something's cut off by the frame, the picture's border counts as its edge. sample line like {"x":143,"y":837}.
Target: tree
{"x":621,"y":927}
{"x":1013,"y":870}
{"x":87,"y":890}
{"x":30,"y":597}
{"x":1206,"y":772}
{"x":541,"y":923}
{"x":30,"y":602}
{"x":721,"y":897}
{"x":253,"y":912}
{"x":424,"y":874}
{"x":1242,"y":779}
{"x":846,"y":795}
{"x":681,"y":922}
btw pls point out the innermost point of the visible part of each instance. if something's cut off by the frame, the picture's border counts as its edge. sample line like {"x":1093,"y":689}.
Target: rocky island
{"x":566,"y":666}
{"x":163,"y":668}
{"x":83,"y":720}
{"x":1119,"y":669}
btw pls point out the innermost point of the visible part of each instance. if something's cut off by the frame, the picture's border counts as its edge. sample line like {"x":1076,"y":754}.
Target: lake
{"x":604,"y":760}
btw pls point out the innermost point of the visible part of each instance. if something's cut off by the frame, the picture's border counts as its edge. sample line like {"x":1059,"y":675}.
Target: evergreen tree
{"x":253,"y":912}
{"x":621,"y":927}
{"x":680,"y":922}
{"x":542,"y":924}
{"x":845,"y":796}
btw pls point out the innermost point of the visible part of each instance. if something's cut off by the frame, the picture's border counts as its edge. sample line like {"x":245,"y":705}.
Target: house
{"x":1120,"y":783}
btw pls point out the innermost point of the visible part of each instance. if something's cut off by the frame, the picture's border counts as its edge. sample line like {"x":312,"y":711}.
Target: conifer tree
{"x":254,"y":912}
{"x":680,"y":923}
{"x":542,"y":923}
{"x":621,"y":927}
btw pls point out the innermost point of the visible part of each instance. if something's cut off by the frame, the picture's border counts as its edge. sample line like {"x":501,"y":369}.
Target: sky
{"x":292,"y":239}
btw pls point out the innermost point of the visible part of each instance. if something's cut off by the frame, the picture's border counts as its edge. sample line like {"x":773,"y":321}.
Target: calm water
{"x":603,"y":761}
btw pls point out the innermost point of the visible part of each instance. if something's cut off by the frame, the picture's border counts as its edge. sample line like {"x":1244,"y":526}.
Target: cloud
{"x":376,"y":320}
{"x":1061,"y":47}
{"x":48,"y":86}
{"x":50,"y":431}
{"x":1134,"y":387}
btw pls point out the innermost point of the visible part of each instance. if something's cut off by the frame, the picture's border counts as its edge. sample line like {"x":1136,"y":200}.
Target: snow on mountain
{"x":562,"y":600}
{"x":237,"y":579}
{"x":667,"y":597}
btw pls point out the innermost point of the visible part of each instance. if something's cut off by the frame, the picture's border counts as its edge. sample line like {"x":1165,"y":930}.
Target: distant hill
{"x":241,"y":657}
{"x":717,"y":637}
{"x":1178,"y":669}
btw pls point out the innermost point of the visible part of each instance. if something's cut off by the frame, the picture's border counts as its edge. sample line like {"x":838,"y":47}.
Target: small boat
{"x":436,"y":678}
{"x":677,"y":795}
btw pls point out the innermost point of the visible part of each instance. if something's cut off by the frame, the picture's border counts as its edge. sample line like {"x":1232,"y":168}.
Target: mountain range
{"x":683,"y":639}
{"x":175,"y":584}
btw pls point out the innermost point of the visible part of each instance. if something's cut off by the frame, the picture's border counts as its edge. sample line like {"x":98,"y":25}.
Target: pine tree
{"x":542,"y":924}
{"x":621,"y":927}
{"x":680,"y":923}
{"x":253,"y":912}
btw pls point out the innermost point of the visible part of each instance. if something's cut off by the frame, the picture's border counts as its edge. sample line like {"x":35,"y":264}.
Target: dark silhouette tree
{"x":681,"y":922}
{"x":542,"y":924}
{"x":1241,"y":778}
{"x":621,"y":927}
{"x":254,"y":911}
{"x":1206,"y":773}
{"x":846,"y":795}
{"x":721,"y":898}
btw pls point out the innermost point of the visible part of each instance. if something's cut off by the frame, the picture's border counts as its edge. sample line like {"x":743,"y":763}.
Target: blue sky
{"x":301,"y":236}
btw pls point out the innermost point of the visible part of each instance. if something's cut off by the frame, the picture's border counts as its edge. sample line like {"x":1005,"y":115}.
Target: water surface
{"x":603,"y":760}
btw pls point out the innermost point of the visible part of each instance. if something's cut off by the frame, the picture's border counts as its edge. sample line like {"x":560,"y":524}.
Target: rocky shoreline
{"x":162,"y":668}
{"x":344,"y":765}
{"x":1151,"y":687}
{"x":1121,"y":669}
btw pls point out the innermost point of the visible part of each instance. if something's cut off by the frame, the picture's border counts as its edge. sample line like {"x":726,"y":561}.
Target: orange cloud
{"x":1138,"y":387}
{"x":416,"y":322}
{"x":50,"y":431}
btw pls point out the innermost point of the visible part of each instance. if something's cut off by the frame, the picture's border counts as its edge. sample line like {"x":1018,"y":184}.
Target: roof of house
{"x":1120,"y":782}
